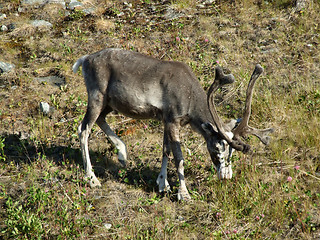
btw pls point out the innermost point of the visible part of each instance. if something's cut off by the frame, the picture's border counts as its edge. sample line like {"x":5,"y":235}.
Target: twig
{"x":121,"y":122}
{"x":298,"y":215}
{"x":271,"y":163}
{"x":309,"y":175}
{"x":66,"y":193}
{"x":9,"y":176}
{"x":117,"y":206}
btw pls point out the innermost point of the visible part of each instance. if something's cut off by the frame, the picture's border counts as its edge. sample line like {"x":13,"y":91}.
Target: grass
{"x":274,"y":193}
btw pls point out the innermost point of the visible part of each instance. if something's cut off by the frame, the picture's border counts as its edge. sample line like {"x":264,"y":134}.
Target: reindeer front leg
{"x":173,"y":134}
{"x":162,"y":178}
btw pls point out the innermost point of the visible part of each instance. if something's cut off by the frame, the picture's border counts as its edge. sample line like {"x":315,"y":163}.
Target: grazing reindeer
{"x":142,"y":87}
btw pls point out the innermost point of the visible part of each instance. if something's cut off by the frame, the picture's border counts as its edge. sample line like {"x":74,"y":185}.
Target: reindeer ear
{"x":232,"y":124}
{"x":208,"y":127}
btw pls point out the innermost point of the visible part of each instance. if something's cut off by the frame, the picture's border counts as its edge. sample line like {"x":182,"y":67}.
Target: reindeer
{"x":143,"y":87}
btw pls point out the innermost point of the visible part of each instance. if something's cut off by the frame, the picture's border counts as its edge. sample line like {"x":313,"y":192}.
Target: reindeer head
{"x":225,"y":138}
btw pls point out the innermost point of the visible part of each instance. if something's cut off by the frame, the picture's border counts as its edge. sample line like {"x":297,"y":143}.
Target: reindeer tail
{"x":78,"y":63}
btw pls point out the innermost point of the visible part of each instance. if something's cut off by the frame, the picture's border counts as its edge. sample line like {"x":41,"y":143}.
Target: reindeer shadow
{"x":27,"y":151}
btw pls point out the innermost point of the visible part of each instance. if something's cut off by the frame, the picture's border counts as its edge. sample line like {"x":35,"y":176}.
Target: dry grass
{"x":104,"y":25}
{"x":42,"y":191}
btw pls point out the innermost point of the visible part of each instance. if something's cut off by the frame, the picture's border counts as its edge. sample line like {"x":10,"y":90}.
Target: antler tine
{"x":247,"y":111}
{"x":243,"y":127}
{"x":220,"y":80}
{"x":262,"y":134}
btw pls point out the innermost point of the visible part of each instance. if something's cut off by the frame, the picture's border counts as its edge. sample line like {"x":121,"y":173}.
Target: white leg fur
{"x":120,"y":146}
{"x":117,"y":142}
{"x":225,"y":171}
{"x":183,"y":193}
{"x":162,"y":178}
{"x":91,"y":177}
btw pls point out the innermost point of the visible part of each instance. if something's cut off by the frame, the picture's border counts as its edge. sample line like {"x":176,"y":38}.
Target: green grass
{"x":274,"y":193}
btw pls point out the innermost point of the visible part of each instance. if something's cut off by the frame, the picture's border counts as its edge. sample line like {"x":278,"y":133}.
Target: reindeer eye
{"x":223,"y":146}
{"x":219,"y":147}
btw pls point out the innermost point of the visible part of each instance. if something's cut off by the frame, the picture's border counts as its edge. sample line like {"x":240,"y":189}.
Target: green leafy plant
{"x":2,"y":145}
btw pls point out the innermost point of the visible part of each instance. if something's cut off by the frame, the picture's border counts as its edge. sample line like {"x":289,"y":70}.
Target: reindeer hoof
{"x":163,"y":184}
{"x":93,"y":181}
{"x":123,"y":162}
{"x":183,"y":196}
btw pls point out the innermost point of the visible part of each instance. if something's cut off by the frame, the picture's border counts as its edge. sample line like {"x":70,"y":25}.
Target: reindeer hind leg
{"x":95,"y":105}
{"x":117,"y":142}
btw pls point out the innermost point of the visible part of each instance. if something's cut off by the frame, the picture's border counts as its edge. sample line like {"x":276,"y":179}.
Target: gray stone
{"x":4,"y":28}
{"x":268,"y":49}
{"x":21,"y":9}
{"x":62,"y":2}
{"x":6,"y":67}
{"x":74,"y":4}
{"x":120,"y":14}
{"x":53,"y":80}
{"x":301,"y":5}
{"x":45,"y":108}
{"x":107,"y":225}
{"x":89,"y":11}
{"x":33,"y":2}
{"x":172,"y":14}
{"x":41,"y":23}
{"x":23,"y":135}
{"x":63,"y":120}
{"x":11,"y":26}
{"x":43,"y":2}
{"x":209,"y":2}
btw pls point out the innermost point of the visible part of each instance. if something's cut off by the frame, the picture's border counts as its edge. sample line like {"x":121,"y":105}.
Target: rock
{"x":74,"y":4}
{"x":53,"y":80}
{"x":301,"y":5}
{"x":3,"y":16}
{"x":21,"y":9}
{"x":172,"y":14}
{"x":41,"y":23}
{"x":6,"y":67}
{"x":201,"y":5}
{"x":41,"y":2}
{"x":209,"y":2}
{"x":107,"y":225}
{"x":11,"y":27}
{"x":62,"y":2}
{"x":89,"y":11}
{"x":269,"y":50}
{"x":4,"y":28}
{"x":129,"y":5}
{"x":45,"y":108}
{"x":120,"y":14}
{"x":33,"y":2}
{"x":23,"y":135}
{"x":62,"y":120}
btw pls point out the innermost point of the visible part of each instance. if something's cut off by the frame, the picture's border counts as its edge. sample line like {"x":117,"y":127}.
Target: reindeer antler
{"x":220,"y":80}
{"x":243,"y":128}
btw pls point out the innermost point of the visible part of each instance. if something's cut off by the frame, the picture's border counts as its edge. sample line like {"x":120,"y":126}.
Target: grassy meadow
{"x":275,"y":190}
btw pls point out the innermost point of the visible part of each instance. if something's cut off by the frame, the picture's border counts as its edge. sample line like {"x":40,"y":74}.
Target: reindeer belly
{"x":137,"y":103}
